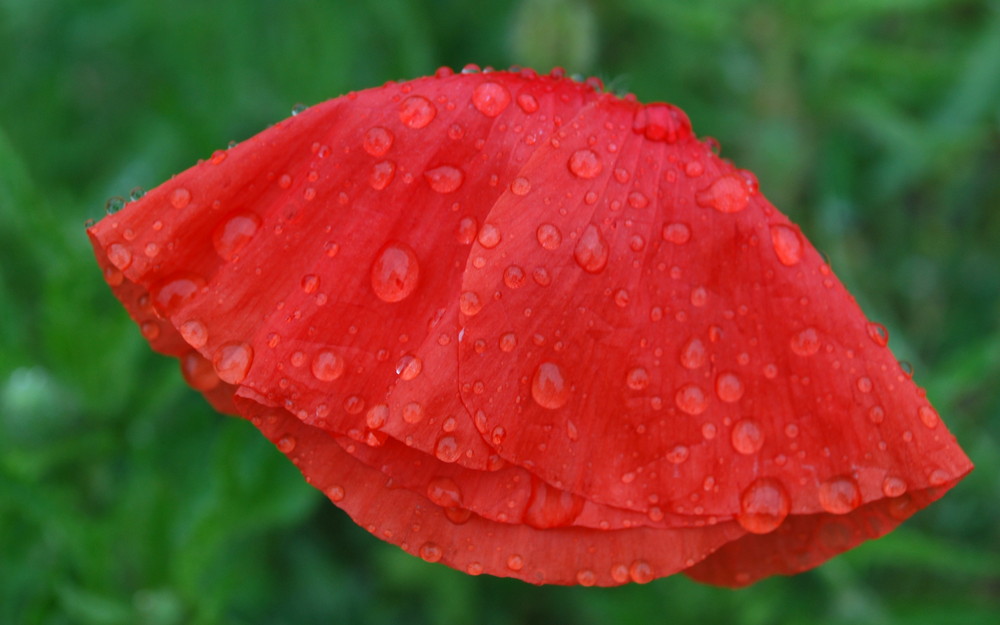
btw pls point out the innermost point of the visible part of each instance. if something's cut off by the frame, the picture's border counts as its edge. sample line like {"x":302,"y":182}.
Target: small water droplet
{"x":231,"y":236}
{"x":470,"y":303}
{"x":747,"y":437}
{"x":508,"y":342}
{"x":729,"y":387}
{"x":661,"y":122}
{"x":728,"y":194}
{"x":928,"y":416}
{"x":119,"y":256}
{"x":787,"y":245}
{"x":409,"y":367}
{"x":198,"y":372}
{"x":180,"y":197}
{"x":298,"y":108}
{"x":876,"y":414}
{"x":327,"y":365}
{"x":520,"y":186}
{"x":444,"y":492}
{"x":515,"y":562}
{"x":839,"y":495}
{"x":691,"y":399}
{"x":490,"y":98}
{"x":194,"y":333}
{"x":114,"y":204}
{"x":416,"y":112}
{"x":377,"y":416}
{"x":381,"y":175}
{"x":136,"y":194}
{"x":585,"y":164}
{"x":764,"y":505}
{"x":693,"y":354}
{"x":447,"y":450}
{"x":878,"y":333}
{"x":378,"y":141}
{"x":637,"y":379}
{"x":444,"y":179}
{"x":549,"y":387}
{"x":591,"y":251}
{"x":514,"y":276}
{"x":641,"y":572}
{"x":549,"y":236}
{"x":431,"y":552}
{"x":586,"y":577}
{"x":893,"y":486}
{"x":489,"y":236}
{"x":527,"y":102}
{"x":286,"y":444}
{"x":232,"y":361}
{"x":805,"y":342}
{"x":413,"y":413}
{"x":676,"y":233}
{"x":395,"y":272}
{"x":864,"y":384}
{"x":175,"y":291}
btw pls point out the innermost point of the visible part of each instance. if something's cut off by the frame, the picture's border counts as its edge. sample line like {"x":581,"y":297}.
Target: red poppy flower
{"x":522,"y":327}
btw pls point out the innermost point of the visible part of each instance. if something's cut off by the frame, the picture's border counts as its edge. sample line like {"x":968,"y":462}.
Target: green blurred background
{"x":875,"y":124}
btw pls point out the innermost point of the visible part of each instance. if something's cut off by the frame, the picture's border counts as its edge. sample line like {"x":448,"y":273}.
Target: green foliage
{"x":125,"y":499}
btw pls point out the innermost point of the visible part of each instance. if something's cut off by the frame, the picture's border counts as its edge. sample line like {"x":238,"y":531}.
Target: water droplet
{"x":409,"y":367}
{"x":520,"y":186}
{"x":490,"y":98}
{"x":661,"y":122}
{"x":586,"y":577}
{"x":878,"y":333}
{"x":864,"y":384}
{"x":787,"y":245}
{"x":198,"y":372}
{"x":747,"y":437}
{"x":444,"y":492}
{"x":839,"y":495}
{"x":378,"y":140}
{"x":416,"y":112}
{"x":549,"y":236}
{"x":286,"y":444}
{"x":136,"y":193}
{"x":876,"y":414}
{"x":729,"y":387}
{"x":395,"y":272}
{"x":693,"y":354}
{"x":763,"y":506}
{"x":180,"y":197}
{"x":469,"y":303}
{"x":508,"y":342}
{"x":413,"y":413}
{"x":637,"y":379}
{"x":298,"y":108}
{"x":691,"y":399}
{"x":335,"y":493}
{"x":676,"y":233}
{"x":728,"y":194}
{"x":585,"y":164}
{"x":928,"y":416}
{"x":113,"y":205}
{"x":377,"y":416}
{"x":641,"y":572}
{"x":431,"y":552}
{"x":194,"y":333}
{"x":381,"y":175}
{"x":515,"y":562}
{"x":514,"y":277}
{"x":489,"y":236}
{"x":175,"y":291}
{"x":806,"y":342}
{"x":444,"y":179}
{"x":231,"y":236}
{"x":527,"y":102}
{"x":327,"y":365}
{"x":232,"y":361}
{"x":119,"y":255}
{"x":677,"y":455}
{"x":550,"y":507}
{"x":893,"y":486}
{"x":591,"y":251}
{"x":549,"y":387}
{"x":446,"y":449}
{"x":637,"y":200}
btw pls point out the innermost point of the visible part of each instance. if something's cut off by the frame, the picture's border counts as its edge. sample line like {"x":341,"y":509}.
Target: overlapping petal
{"x":525,"y":328}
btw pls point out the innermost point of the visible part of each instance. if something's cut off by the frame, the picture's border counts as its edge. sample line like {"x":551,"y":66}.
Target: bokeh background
{"x":875,"y":124}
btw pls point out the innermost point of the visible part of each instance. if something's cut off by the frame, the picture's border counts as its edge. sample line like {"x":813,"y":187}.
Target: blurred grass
{"x":124,"y":499}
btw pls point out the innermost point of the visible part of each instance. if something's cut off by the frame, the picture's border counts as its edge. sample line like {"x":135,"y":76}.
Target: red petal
{"x":490,"y":310}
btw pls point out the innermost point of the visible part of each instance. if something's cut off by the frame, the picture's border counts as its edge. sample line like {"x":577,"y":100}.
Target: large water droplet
{"x":893,"y":486}
{"x":114,"y":204}
{"x":693,"y":354}
{"x":444,"y":179}
{"x":591,"y":251}
{"x":232,"y":235}
{"x":444,"y":492}
{"x":805,"y":342}
{"x":381,"y":175}
{"x":194,"y":333}
{"x":409,"y":367}
{"x":378,"y":140}
{"x":416,"y":112}
{"x":232,"y":361}
{"x":489,"y":236}
{"x":176,"y":291}
{"x":549,"y":387}
{"x":661,"y":122}
{"x":550,"y":507}
{"x":728,"y":194}
{"x":327,"y":365}
{"x":470,"y":303}
{"x":549,"y":236}
{"x":431,"y":552}
{"x":676,"y":233}
{"x":641,"y":572}
{"x":447,"y":450}
{"x":413,"y":412}
{"x":520,"y":186}
{"x":637,"y":379}
{"x":395,"y":272}
{"x":585,"y":164}
{"x":119,"y":255}
{"x":180,"y":197}
{"x":747,"y":437}
{"x":839,"y":495}
{"x":787,"y":245}
{"x":764,"y":505}
{"x":729,"y":387}
{"x":490,"y":98}
{"x":878,"y":334}
{"x":691,"y":399}
{"x":198,"y":372}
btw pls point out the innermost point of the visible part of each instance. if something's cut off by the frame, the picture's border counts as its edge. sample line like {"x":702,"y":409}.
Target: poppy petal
{"x":501,"y":309}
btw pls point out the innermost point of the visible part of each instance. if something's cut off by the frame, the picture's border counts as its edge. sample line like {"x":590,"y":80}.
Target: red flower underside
{"x":525,"y":328}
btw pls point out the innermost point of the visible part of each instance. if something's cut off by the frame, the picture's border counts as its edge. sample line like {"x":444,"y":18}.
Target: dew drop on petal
{"x":444,"y":492}
{"x":382,"y":174}
{"x":585,"y":164}
{"x":928,"y":416}
{"x":335,"y":493}
{"x":490,"y":98}
{"x":444,"y":179}
{"x":520,"y":186}
{"x":232,"y":361}
{"x":637,"y":379}
{"x":515,"y":562}
{"x":198,"y":372}
{"x":447,"y":450}
{"x":416,"y":112}
{"x":508,"y":341}
{"x":413,"y":413}
{"x":728,"y":194}
{"x":787,"y":245}
{"x":676,"y":233}
{"x":691,"y":399}
{"x":591,"y":251}
{"x":641,"y":572}
{"x":764,"y":505}
{"x":878,"y":334}
{"x":175,"y":291}
{"x":286,"y":444}
{"x":893,"y":486}
{"x":586,"y":577}
{"x":378,"y":141}
{"x":395,"y":272}
{"x":409,"y":367}
{"x":839,"y":495}
{"x":549,"y":236}
{"x":514,"y":276}
{"x":489,"y":236}
{"x":549,"y":387}
{"x":805,"y":342}
{"x":194,"y":333}
{"x":729,"y":387}
{"x":747,"y":437}
{"x":693,"y":354}
{"x":327,"y":365}
{"x":527,"y":102}
{"x":180,"y":197}
{"x":470,"y":303}
{"x":431,"y":552}
{"x":119,"y":255}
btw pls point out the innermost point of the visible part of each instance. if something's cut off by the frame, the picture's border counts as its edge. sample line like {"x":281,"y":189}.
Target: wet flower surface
{"x":525,"y":328}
